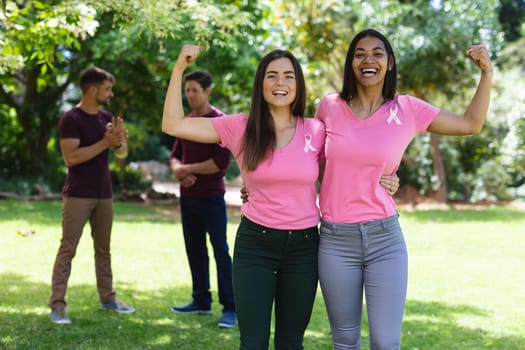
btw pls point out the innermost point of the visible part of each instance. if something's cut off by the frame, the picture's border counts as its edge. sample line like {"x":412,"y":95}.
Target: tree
{"x":511,"y":16}
{"x":45,"y":44}
{"x":35,"y":38}
{"x":433,"y":66}
{"x":429,"y":43}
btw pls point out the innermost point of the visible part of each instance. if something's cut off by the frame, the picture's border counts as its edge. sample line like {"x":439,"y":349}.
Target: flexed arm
{"x":471,"y":122}
{"x":173,"y":120}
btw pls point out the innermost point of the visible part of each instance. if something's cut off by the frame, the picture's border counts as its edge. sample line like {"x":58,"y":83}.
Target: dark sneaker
{"x":118,"y":307}
{"x":58,"y":315}
{"x":228,"y":319}
{"x":191,"y":309}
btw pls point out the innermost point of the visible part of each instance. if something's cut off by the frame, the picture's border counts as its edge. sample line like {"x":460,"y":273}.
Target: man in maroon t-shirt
{"x":86,"y":135}
{"x":200,"y":169}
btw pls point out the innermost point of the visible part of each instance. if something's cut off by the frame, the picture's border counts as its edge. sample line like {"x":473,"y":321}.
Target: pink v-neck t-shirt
{"x":358,"y":151}
{"x":282,"y":187}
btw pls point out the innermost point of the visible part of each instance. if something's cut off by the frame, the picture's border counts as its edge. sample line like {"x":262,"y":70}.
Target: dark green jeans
{"x":274,"y":266}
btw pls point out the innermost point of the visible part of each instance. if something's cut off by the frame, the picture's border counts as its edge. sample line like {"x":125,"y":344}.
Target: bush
{"x":491,"y":183}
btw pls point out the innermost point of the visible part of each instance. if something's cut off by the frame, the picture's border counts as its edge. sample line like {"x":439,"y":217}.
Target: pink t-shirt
{"x":283,"y":187}
{"x":358,"y":151}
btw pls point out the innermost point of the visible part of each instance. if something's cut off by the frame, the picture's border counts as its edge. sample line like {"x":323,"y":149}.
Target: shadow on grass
{"x":466,"y":215}
{"x":50,"y":212}
{"x":431,"y":325}
{"x":41,"y":212}
{"x":426,"y":325}
{"x":24,"y":323}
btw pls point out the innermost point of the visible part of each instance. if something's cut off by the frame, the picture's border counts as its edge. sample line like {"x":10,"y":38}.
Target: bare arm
{"x":173,"y":120}
{"x":203,"y":168}
{"x":206,"y":167}
{"x":471,"y":122}
{"x":185,"y":178}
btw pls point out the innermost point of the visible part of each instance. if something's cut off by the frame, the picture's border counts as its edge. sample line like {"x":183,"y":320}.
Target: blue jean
{"x":200,"y":216}
{"x":370,"y":256}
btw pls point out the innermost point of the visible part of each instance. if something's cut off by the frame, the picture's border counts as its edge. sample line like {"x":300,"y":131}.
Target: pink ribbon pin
{"x":393,"y":116}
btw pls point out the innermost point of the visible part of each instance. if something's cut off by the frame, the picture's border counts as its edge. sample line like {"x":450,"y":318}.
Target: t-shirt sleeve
{"x":320,"y":112}
{"x":230,"y":129}
{"x":221,"y":157}
{"x":176,"y":151}
{"x":423,"y":112}
{"x":68,"y":127}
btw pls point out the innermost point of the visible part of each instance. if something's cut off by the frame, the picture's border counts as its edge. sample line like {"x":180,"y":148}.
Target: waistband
{"x":246,"y":221}
{"x":380,"y":223}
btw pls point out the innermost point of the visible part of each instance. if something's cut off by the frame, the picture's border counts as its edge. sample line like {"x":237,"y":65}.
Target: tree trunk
{"x":37,"y":113}
{"x":440,"y":193}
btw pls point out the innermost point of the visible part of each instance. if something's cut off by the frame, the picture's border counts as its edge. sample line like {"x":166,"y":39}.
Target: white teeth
{"x":280,"y":92}
{"x":369,"y":71}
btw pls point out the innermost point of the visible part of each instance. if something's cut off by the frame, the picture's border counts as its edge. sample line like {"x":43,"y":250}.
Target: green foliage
{"x":40,"y":34}
{"x":232,"y":171}
{"x":519,"y":161}
{"x":431,"y":43}
{"x":149,"y":147}
{"x":45,"y":44}
{"x":206,"y":22}
{"x":128,"y":179}
{"x":50,"y":42}
{"x":35,"y":33}
{"x":491,"y":182}
{"x":416,"y":169}
{"x":511,"y":16}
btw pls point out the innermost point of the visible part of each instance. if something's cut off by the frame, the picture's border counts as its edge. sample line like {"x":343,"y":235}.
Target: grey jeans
{"x":370,"y":256}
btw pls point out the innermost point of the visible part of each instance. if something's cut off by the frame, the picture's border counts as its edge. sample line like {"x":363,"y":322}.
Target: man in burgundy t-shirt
{"x":86,"y":135}
{"x":200,"y":169}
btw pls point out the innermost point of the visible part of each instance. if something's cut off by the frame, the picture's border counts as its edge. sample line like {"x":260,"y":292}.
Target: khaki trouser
{"x":75,"y":213}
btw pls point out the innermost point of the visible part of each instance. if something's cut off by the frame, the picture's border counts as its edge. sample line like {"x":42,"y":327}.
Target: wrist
{"x":123,"y":144}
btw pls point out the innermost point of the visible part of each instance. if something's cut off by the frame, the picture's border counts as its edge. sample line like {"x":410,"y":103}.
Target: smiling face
{"x":103,"y":93}
{"x":370,"y":62}
{"x":279,"y":84}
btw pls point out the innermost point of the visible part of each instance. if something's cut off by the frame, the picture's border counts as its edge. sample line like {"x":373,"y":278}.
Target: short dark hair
{"x":94,"y":76}
{"x":349,"y":82}
{"x":200,"y":76}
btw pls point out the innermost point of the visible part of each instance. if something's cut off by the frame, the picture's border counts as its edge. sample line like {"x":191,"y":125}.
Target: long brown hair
{"x":259,"y":137}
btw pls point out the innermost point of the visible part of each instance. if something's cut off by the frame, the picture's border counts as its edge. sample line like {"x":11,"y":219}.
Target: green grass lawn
{"x":466,"y":283}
